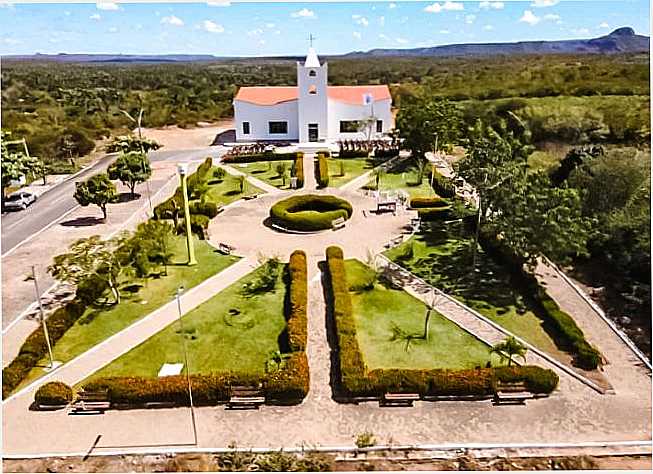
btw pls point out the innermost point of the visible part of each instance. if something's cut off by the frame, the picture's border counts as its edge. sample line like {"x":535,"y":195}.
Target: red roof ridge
{"x":272,"y":95}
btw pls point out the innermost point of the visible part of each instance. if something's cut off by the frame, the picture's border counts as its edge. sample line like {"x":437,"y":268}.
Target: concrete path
{"x":268,"y":188}
{"x":310,"y":183}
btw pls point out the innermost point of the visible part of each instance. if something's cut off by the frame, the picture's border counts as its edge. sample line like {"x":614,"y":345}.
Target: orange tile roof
{"x":275,"y":95}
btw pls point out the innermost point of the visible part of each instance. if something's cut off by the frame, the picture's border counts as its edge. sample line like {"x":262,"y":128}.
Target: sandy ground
{"x":175,"y":138}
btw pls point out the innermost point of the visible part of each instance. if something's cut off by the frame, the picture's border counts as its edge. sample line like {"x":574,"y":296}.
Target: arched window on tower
{"x":312,"y":73}
{"x":312,"y":89}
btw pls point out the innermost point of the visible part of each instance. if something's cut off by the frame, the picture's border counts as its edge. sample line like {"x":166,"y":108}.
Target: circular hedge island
{"x":309,"y":212}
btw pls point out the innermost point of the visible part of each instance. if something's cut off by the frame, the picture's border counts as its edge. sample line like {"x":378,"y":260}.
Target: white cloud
{"x":355,"y":16}
{"x":469,"y":19}
{"x":392,"y":5}
{"x":256,"y":32}
{"x":172,"y":20}
{"x":261,"y":42}
{"x":270,"y":25}
{"x":219,"y":3}
{"x":488,"y":27}
{"x":11,"y":40}
{"x":95,"y":16}
{"x":382,"y":20}
{"x":357,"y":35}
{"x":530,"y":18}
{"x":363,"y":21}
{"x":383,"y":36}
{"x":104,"y":5}
{"x":444,"y":32}
{"x":437,"y":8}
{"x":303,"y":13}
{"x":6,"y":4}
{"x":551,"y":17}
{"x":491,"y":5}
{"x":544,"y":3}
{"x":212,"y":27}
{"x":580,"y":31}
{"x":604,"y":25}
{"x":113,"y":29}
{"x":401,"y":40}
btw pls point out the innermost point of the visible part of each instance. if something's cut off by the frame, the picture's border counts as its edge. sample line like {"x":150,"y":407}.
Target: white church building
{"x":312,"y":111}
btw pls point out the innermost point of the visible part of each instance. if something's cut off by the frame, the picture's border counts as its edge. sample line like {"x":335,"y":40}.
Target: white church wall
{"x":259,"y":116}
{"x":342,"y":111}
{"x":312,"y":106}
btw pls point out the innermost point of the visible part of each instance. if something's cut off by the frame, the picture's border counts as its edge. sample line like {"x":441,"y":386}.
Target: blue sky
{"x":248,"y":28}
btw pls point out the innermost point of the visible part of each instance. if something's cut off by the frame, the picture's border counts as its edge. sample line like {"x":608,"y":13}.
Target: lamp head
{"x":182,"y":169}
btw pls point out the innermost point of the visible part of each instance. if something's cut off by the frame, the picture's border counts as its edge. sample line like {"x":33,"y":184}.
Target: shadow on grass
{"x":233,"y":192}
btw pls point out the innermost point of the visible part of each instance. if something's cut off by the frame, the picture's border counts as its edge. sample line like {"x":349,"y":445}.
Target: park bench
{"x":245,"y":397}
{"x":92,"y":402}
{"x":250,"y":197}
{"x":386,"y":206}
{"x":225,"y":249}
{"x":511,"y":392}
{"x":398,"y":399}
{"x":338,"y":223}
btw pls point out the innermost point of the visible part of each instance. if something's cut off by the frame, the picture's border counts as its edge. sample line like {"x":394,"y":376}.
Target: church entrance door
{"x":312,"y":132}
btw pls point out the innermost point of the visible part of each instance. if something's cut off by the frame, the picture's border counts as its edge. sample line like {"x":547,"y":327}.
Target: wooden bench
{"x":399,"y":399}
{"x":338,"y":223}
{"x":250,"y":197}
{"x":245,"y":398}
{"x":225,"y":249}
{"x":511,"y":393}
{"x":386,"y":206}
{"x":92,"y":402}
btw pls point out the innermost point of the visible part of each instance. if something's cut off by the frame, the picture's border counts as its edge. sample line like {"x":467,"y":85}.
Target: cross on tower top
{"x":310,"y":39}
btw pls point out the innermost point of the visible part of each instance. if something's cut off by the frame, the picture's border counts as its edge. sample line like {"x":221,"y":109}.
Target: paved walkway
{"x":310,"y":183}
{"x":268,"y":188}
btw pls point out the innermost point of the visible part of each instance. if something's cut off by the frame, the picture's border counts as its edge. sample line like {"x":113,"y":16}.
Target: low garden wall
{"x":356,"y":381}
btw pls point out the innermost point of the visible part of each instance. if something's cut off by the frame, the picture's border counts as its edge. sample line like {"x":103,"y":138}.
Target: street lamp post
{"x":478,"y":227}
{"x":182,"y":169}
{"x":190,"y":389}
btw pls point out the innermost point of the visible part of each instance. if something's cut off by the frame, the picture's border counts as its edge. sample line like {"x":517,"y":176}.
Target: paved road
{"x":57,"y":201}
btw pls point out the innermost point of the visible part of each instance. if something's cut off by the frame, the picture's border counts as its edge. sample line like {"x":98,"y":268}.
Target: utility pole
{"x":190,"y":389}
{"x":45,"y":326}
{"x":182,"y":168}
{"x":478,"y":228}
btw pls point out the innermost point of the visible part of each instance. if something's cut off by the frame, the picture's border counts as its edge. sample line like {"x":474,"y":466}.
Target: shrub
{"x":309,"y":212}
{"x":54,"y":393}
{"x":537,"y":379}
{"x":298,"y":301}
{"x":428,"y":202}
{"x":207,"y":208}
{"x":35,"y":347}
{"x":435,"y":213}
{"x":322,"y":171}
{"x":199,"y":223}
{"x":252,"y":158}
{"x":299,"y":169}
{"x":442,"y":185}
{"x":219,"y":173}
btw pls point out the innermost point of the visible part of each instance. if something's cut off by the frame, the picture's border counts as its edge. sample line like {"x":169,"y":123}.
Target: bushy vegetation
{"x":322,"y":170}
{"x":254,"y":157}
{"x":355,"y":380}
{"x":427,"y":202}
{"x":297,"y":311}
{"x":310,"y":212}
{"x":298,"y":169}
{"x":442,"y":185}
{"x":53,"y":393}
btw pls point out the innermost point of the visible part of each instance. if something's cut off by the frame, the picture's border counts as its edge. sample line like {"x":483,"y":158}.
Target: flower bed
{"x":310,"y":212}
{"x":357,"y":381}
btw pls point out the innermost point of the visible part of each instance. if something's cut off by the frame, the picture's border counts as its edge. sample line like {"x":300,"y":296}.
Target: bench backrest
{"x":93,"y":396}
{"x":338,"y":221}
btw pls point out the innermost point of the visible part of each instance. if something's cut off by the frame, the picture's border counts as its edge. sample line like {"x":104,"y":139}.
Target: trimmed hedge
{"x":310,"y":212}
{"x":252,"y":158}
{"x":442,"y":185}
{"x":298,"y":301}
{"x":322,"y":170}
{"x":54,"y":393}
{"x":356,"y":381}
{"x":199,"y":224}
{"x":428,"y":202}
{"x":435,"y":213}
{"x":286,"y":386}
{"x":585,"y":355}
{"x":299,"y":169}
{"x":209,"y":209}
{"x":35,"y":347}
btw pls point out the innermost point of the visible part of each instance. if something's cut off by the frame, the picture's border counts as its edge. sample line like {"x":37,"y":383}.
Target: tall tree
{"x":425,"y":120}
{"x":98,"y":190}
{"x":90,"y":259}
{"x":128,"y":143}
{"x":16,"y":163}
{"x":131,"y":168}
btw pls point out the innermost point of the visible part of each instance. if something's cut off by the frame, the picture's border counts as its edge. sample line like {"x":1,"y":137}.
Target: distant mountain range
{"x":621,"y":40}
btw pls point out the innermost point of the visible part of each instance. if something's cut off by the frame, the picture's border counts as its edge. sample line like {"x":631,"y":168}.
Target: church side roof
{"x":354,"y":95}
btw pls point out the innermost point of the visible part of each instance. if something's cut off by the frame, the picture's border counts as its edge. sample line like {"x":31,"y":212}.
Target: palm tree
{"x":509,"y":347}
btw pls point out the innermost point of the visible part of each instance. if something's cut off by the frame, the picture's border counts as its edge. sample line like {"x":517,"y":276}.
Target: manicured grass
{"x":267,"y":172}
{"x":100,"y":322}
{"x":217,"y":340}
{"x":227,"y":190}
{"x":444,"y":258}
{"x":403,"y":176}
{"x":377,"y":311}
{"x":352,"y":168}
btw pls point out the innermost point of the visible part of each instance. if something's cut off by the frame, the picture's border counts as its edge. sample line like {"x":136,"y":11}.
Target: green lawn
{"x":267,"y":172}
{"x":443,"y":258}
{"x":379,"y":310}
{"x":227,"y":190}
{"x":403,"y":176}
{"x":229,"y":332}
{"x":351,"y":168}
{"x":100,"y":322}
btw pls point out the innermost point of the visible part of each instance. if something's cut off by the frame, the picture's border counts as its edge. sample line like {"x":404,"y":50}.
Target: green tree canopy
{"x":422,"y":118}
{"x":129,"y":143}
{"x":509,"y":348}
{"x":131,"y":168}
{"x":98,"y":190}
{"x":16,"y":163}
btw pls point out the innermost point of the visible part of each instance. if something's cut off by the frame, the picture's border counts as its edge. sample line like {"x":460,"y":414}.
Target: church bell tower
{"x":313,"y":100}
